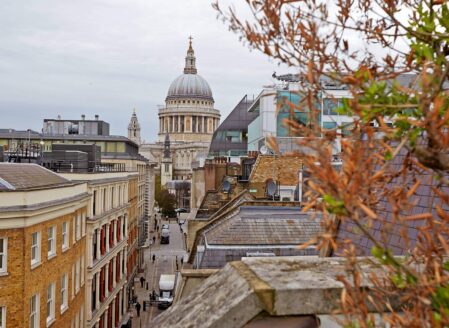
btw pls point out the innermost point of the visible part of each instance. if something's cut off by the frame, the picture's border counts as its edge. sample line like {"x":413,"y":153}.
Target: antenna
{"x":226,"y":186}
{"x":271,"y":189}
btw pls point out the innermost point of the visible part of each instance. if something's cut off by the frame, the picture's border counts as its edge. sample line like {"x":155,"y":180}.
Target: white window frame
{"x":3,"y":317}
{"x":50,"y":303}
{"x":83,"y":225}
{"x":82,"y":270}
{"x":74,"y":229}
{"x":34,"y":314}
{"x":64,"y":292}
{"x":77,"y":276}
{"x":82,"y":315}
{"x":51,"y":241}
{"x":77,"y":320}
{"x":73,"y":281}
{"x":65,"y":229}
{"x":78,"y":227}
{"x":36,"y":261}
{"x":4,"y":257}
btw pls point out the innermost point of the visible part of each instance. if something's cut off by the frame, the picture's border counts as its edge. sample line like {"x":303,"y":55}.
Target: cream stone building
{"x":42,"y":248}
{"x":111,"y":246}
{"x":188,"y":121}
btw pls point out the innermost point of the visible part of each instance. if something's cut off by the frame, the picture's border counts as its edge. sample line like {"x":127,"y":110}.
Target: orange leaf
{"x":421,"y":216}
{"x":368,"y":211}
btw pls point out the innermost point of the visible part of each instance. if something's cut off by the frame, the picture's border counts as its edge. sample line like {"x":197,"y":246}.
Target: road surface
{"x":166,"y":256}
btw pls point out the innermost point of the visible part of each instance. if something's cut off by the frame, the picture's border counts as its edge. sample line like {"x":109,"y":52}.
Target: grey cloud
{"x":107,"y":57}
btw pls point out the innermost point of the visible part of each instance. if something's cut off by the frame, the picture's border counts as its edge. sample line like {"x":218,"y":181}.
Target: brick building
{"x":42,"y":248}
{"x":112,"y":249}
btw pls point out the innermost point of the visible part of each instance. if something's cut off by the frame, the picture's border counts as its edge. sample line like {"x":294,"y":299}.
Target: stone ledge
{"x":280,"y":286}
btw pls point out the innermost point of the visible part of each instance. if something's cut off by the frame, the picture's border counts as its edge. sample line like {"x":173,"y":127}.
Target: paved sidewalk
{"x":143,"y":293}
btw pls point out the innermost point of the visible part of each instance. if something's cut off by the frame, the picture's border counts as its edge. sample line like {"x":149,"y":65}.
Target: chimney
{"x":96,"y":117}
{"x":59,"y":117}
{"x":83,"y":117}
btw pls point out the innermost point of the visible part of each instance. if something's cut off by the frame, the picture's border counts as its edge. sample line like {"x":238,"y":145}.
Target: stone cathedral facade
{"x":187,"y":121}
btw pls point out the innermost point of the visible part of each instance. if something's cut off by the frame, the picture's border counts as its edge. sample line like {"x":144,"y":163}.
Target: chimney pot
{"x":96,"y":117}
{"x":83,"y":117}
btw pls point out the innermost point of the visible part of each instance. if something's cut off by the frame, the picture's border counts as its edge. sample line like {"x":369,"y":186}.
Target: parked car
{"x":181,"y":210}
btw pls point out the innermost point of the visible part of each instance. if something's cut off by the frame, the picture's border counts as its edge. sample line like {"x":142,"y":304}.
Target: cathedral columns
{"x":189,"y":114}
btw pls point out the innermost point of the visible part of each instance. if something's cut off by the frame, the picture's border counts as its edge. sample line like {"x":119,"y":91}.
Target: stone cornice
{"x":189,"y":111}
{"x":27,"y":215}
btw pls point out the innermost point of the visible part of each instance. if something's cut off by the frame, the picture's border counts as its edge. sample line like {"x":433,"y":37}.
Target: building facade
{"x":273,"y":106}
{"x":188,"y":118}
{"x":42,"y":248}
{"x":231,"y":137}
{"x":111,"y":250}
{"x":116,"y":151}
{"x":189,"y":113}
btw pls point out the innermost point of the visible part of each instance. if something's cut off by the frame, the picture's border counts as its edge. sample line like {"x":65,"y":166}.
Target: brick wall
{"x":282,"y":169}
{"x":22,"y":282}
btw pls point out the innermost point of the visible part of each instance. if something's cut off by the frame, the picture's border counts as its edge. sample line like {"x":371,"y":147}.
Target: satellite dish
{"x":263,"y":150}
{"x":226,"y":186}
{"x":271,"y":189}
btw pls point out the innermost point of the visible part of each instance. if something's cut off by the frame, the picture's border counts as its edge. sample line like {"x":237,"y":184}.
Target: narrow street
{"x":166,"y":256}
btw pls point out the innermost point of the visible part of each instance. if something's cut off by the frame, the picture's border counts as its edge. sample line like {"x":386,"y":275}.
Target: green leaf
{"x":446,"y":265}
{"x":398,"y":281}
{"x":377,"y":252}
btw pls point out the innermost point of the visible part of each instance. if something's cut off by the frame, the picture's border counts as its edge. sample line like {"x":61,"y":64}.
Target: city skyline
{"x":108,"y":58}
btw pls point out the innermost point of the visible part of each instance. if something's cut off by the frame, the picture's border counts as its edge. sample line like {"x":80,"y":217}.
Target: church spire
{"x":190,"y":67}
{"x":134,"y":128}
{"x":167,"y":146}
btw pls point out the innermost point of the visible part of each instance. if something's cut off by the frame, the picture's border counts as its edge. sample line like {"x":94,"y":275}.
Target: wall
{"x":197,"y":190}
{"x":282,"y":169}
{"x":21,"y":282}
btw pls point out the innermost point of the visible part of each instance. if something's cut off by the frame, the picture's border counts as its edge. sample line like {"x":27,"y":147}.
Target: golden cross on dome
{"x":190,"y":40}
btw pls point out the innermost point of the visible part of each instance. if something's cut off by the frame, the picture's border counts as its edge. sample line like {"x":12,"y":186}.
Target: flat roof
{"x":18,"y":176}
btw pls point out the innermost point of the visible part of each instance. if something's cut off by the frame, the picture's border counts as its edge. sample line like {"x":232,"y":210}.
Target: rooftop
{"x":268,"y":225}
{"x":23,"y":134}
{"x":388,"y":228}
{"x":282,"y":288}
{"x":283,"y":169}
{"x":15,"y":176}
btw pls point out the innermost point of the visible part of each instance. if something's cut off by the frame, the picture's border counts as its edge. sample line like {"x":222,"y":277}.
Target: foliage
{"x":165,"y":200}
{"x":400,"y":138}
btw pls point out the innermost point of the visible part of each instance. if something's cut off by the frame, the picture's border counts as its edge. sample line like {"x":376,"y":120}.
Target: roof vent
{"x":226,"y":186}
{"x":271,"y":189}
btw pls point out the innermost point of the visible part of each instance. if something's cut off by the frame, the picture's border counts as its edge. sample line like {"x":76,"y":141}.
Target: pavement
{"x":166,"y":257}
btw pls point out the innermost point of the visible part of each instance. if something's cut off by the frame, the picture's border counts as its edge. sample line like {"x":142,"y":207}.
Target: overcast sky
{"x":107,"y":57}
